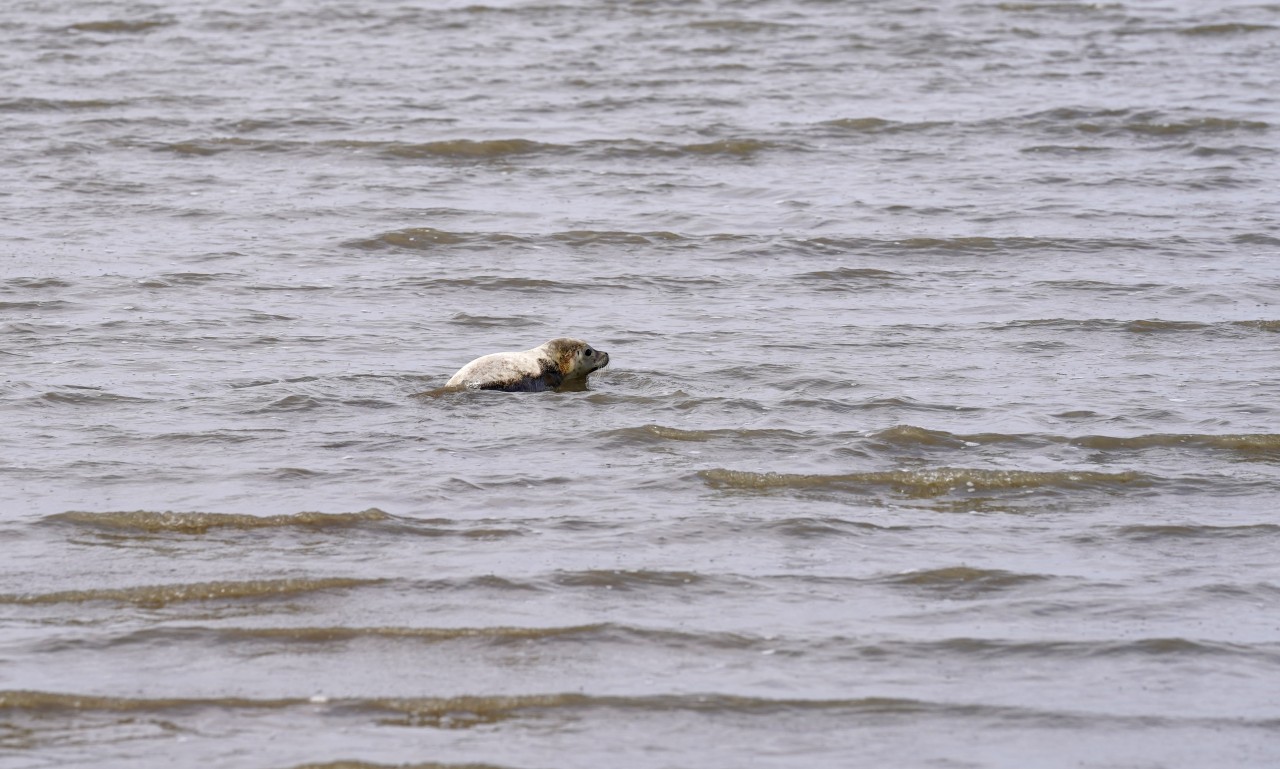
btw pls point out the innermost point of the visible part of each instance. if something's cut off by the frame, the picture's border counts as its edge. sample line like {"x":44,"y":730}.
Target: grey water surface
{"x":942,"y":427}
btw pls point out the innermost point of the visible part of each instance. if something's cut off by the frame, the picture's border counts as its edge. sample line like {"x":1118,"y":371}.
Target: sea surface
{"x":941,"y":429}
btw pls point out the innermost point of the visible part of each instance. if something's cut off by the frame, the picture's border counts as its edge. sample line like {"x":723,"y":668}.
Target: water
{"x":940,"y":428}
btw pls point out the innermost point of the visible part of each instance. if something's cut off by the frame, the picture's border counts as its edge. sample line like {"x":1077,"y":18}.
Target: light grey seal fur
{"x":550,"y":366}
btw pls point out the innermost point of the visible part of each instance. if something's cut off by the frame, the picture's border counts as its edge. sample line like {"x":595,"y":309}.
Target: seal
{"x":559,"y":363}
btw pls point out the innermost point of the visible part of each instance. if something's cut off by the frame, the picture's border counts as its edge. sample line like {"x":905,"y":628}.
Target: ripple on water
{"x":1173,"y":532}
{"x":158,"y":596}
{"x":372,"y":521}
{"x":927,"y":400}
{"x":929,"y":482}
{"x":145,"y":521}
{"x":1248,"y":445}
{"x":90,"y":396}
{"x":658,"y":434}
{"x":824,"y":527}
{"x":965,"y":581}
{"x":464,"y":712}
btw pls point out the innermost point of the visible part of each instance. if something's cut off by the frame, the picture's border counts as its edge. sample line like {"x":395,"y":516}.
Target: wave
{"x":954,"y":583}
{"x":40,"y":702}
{"x":1215,"y":30}
{"x":469,"y":711}
{"x":88,"y":396}
{"x":33,"y":104}
{"x":463,"y":150}
{"x":912,"y":437}
{"x":430,"y":238}
{"x":28,"y":283}
{"x":215,"y":436}
{"x":498,"y":636}
{"x":43,"y":305}
{"x":326,"y":635}
{"x":373,"y":519}
{"x":1257,"y":239}
{"x":495,"y":321}
{"x":853,"y":279}
{"x":1052,"y":7}
{"x":1064,"y":149}
{"x":157,"y":596}
{"x":658,"y":434}
{"x":582,"y":238}
{"x":642,"y":579}
{"x":457,"y":149}
{"x":465,"y":711}
{"x":521,"y":285}
{"x":356,"y":764}
{"x":1096,"y":286}
{"x":876,"y":125}
{"x":807,"y":527}
{"x":420,"y":239}
{"x":217,"y":146}
{"x":928,"y":483}
{"x":841,"y":406}
{"x":290,"y":403}
{"x":1168,"y":532}
{"x":740,"y":148}
{"x":121,"y":26}
{"x":1002,"y":649}
{"x":958,"y":581}
{"x":183,"y":279}
{"x":1142,"y":326}
{"x":973,"y":245}
{"x":489,"y":583}
{"x":469,"y":149}
{"x":1074,"y":121}
{"x":1242,"y":443}
{"x":1148,"y":123}
{"x":200,"y":523}
{"x":736,"y":246}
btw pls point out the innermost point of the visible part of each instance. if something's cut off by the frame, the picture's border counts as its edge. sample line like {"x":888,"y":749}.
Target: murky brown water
{"x":941,"y":427}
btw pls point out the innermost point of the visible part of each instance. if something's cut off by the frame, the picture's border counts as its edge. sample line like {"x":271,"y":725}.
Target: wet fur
{"x":546,"y":367}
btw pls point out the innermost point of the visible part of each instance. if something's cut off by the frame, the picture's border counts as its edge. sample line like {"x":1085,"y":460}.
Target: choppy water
{"x":941,"y":427}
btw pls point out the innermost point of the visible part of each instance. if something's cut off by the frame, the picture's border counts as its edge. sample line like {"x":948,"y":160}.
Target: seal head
{"x":551,"y":366}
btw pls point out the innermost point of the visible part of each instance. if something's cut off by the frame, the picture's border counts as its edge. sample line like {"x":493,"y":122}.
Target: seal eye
{"x":589,"y":352}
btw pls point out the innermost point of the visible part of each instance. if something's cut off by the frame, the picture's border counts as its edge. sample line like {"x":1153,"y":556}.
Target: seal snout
{"x":596,"y":360}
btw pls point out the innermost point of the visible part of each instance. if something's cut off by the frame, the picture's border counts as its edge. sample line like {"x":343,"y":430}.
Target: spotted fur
{"x":547,"y":367}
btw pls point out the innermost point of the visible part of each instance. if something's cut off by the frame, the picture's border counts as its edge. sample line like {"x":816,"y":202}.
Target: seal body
{"x":546,"y":367}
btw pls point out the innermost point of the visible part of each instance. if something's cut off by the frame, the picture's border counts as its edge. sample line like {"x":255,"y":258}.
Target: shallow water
{"x":941,"y":427}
